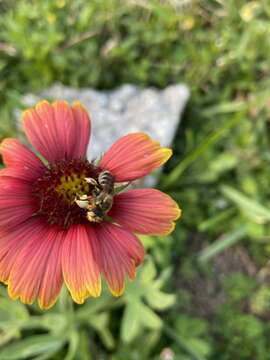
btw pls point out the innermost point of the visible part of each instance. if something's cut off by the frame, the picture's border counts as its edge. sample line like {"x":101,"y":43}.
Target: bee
{"x":100,"y":202}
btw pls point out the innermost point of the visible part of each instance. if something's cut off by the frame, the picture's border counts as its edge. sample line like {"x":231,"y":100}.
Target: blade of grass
{"x":181,"y":343}
{"x":257,"y":101}
{"x":214,"y":221}
{"x":252,"y":208}
{"x":224,"y":108}
{"x":212,"y":139}
{"x":221,"y":244}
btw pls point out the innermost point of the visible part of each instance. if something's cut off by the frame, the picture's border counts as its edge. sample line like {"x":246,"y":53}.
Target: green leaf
{"x":52,"y":322}
{"x":199,"y":151}
{"x":45,"y":356}
{"x":35,"y":345}
{"x":84,"y":352}
{"x":223,"y":243}
{"x":148,"y":271}
{"x":252,"y":208}
{"x":163,"y":278}
{"x":12,"y":311}
{"x":150,"y":319}
{"x":100,"y":323}
{"x":215,"y":221}
{"x":136,"y":315}
{"x":130,"y":325}
{"x":94,"y":306}
{"x":8,"y":333}
{"x":73,"y":345}
{"x":13,"y":314}
{"x":159,"y":300}
{"x":200,"y":347}
{"x":183,"y":345}
{"x":223,"y":163}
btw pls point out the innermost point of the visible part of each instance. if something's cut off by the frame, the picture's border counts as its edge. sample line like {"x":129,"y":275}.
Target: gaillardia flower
{"x":66,"y":219}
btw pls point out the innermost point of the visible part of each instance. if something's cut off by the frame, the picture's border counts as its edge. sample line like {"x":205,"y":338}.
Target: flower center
{"x":57,"y":190}
{"x":71,"y":186}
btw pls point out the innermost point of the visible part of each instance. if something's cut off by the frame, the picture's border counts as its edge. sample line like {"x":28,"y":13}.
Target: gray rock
{"x":124,"y":110}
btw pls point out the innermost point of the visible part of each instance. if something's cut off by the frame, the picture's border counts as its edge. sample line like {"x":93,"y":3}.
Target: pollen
{"x":59,"y":187}
{"x":71,"y":186}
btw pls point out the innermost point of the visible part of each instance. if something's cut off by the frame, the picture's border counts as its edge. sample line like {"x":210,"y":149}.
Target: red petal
{"x":57,"y":130}
{"x":134,"y":156}
{"x":80,"y":271}
{"x":11,"y":243}
{"x":52,"y":277}
{"x":119,"y":252}
{"x":145,"y":211}
{"x":36,"y":272}
{"x":23,"y":162}
{"x":83,"y":128}
{"x":16,"y":201}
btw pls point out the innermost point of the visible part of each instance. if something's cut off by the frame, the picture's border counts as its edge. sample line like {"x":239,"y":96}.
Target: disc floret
{"x":57,"y":190}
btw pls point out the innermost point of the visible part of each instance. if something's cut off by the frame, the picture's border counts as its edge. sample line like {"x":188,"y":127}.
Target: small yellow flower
{"x":51,"y":18}
{"x":188,"y":23}
{"x":60,"y":4}
{"x":249,"y":10}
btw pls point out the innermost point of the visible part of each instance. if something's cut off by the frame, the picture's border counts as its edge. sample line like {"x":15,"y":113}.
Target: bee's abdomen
{"x":106,"y":180}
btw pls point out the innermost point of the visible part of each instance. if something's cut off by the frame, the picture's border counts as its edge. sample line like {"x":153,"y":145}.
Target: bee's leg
{"x":121,"y":186}
{"x":91,"y":181}
{"x":91,"y":203}
{"x":92,"y":217}
{"x":83,"y":197}
{"x":96,"y":191}
{"x":82,"y":201}
{"x":91,"y":206}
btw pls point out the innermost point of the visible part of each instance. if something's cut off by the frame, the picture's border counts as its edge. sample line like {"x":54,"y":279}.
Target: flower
{"x":63,"y":218}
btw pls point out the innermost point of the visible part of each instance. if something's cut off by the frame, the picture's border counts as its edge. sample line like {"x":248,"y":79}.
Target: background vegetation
{"x":203,"y":292}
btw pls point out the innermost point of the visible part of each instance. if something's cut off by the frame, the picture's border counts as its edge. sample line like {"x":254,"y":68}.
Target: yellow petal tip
{"x":41,"y":103}
{"x":117,"y":293}
{"x":78,"y":104}
{"x":178,"y":213}
{"x":167,"y":152}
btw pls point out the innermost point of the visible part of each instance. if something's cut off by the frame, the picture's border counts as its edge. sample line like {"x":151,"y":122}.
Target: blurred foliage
{"x":214,"y":269}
